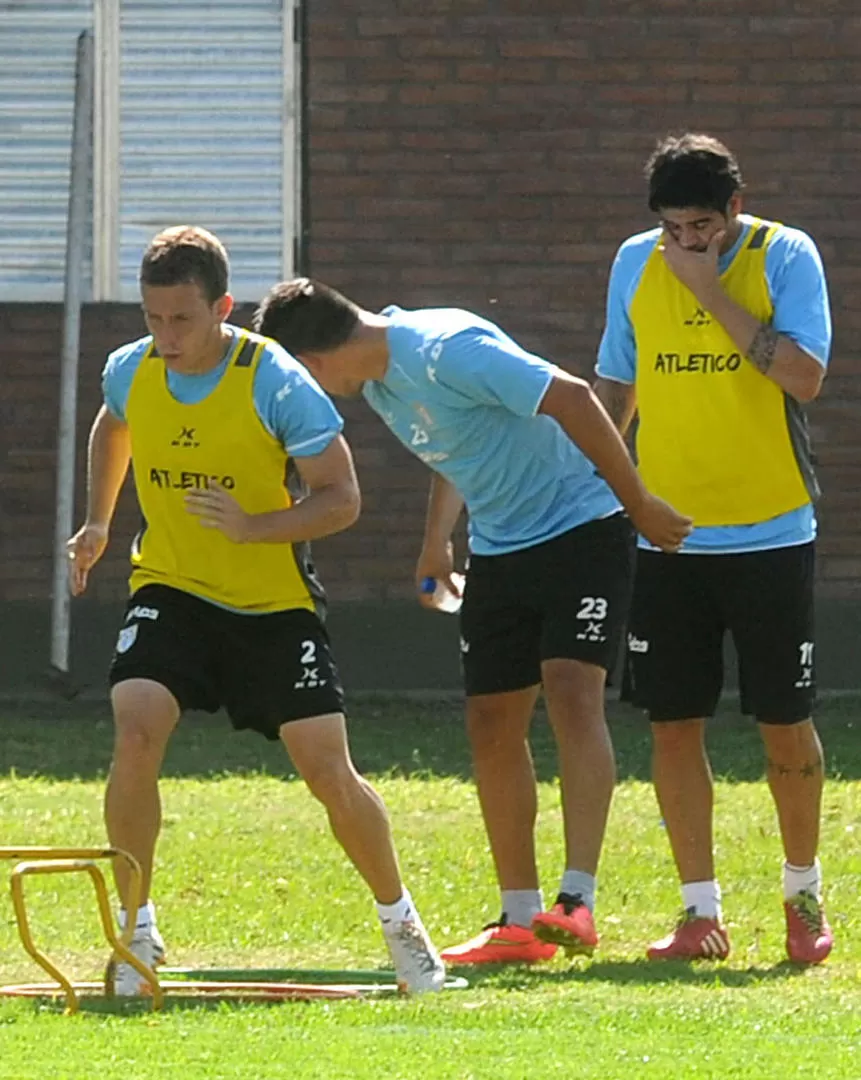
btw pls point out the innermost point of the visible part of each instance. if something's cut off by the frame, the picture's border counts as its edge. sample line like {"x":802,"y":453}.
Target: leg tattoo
{"x":808,"y":770}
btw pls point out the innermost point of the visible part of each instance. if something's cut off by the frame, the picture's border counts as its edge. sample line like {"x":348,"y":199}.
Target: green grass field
{"x":249,"y":877}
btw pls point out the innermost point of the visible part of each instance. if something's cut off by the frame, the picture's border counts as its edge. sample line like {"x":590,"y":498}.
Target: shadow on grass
{"x":627,"y":972}
{"x":376,"y":984}
{"x":110,"y":1007}
{"x":389,"y":734}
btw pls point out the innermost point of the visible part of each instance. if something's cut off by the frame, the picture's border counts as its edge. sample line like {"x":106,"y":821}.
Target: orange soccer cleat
{"x":500,"y":943}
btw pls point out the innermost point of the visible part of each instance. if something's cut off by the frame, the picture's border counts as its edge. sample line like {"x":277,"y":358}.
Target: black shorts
{"x":265,"y":670}
{"x":564,"y":599}
{"x":682,"y":608}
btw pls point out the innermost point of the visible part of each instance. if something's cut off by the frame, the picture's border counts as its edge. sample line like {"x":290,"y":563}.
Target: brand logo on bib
{"x":699,"y":318}
{"x":186,"y":438}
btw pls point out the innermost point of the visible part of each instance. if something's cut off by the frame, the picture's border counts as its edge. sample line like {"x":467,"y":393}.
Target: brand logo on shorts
{"x":636,"y":644}
{"x":464,"y":646}
{"x":142,"y":613}
{"x":127,"y":638}
{"x":310,"y":680}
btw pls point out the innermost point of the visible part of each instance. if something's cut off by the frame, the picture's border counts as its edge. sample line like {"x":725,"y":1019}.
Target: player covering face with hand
{"x":550,"y":492}
{"x":718,"y":331}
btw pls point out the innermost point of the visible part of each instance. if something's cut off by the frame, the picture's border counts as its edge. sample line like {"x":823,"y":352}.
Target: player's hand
{"x":698,"y":270}
{"x":216,"y":508}
{"x":85,"y":549}
{"x":437,"y":562}
{"x":660,"y":524}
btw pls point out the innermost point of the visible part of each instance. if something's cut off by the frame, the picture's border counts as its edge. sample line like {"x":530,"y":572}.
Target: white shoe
{"x":148,"y":947}
{"x":418,"y":967}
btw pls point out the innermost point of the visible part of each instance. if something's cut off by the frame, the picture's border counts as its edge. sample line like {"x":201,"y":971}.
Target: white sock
{"x":145,"y":918}
{"x":579,"y":883}
{"x":520,"y":906}
{"x":703,"y":897}
{"x":400,"y":911}
{"x":798,"y":879}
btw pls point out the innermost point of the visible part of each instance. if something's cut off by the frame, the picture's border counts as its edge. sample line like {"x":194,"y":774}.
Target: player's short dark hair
{"x":187,"y":254}
{"x":306,"y":316}
{"x":692,"y":171}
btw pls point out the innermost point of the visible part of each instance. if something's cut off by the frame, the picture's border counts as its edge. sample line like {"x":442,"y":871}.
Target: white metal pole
{"x":106,"y":151}
{"x":76,"y":240}
{"x":291,"y":139}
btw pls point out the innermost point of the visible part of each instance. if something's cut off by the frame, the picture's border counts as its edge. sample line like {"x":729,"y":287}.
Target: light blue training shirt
{"x":463,"y":397}
{"x":289,"y":402}
{"x":799,"y":296}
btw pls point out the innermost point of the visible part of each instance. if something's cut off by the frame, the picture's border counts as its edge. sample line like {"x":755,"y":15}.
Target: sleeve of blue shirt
{"x":292,"y":406}
{"x":799,"y":293}
{"x":480,"y":367}
{"x":617,"y":353}
{"x":117,"y":375}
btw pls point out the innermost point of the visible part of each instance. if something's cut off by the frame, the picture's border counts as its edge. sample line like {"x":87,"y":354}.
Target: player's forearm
{"x":445,"y":505}
{"x":327,"y":510}
{"x":575,"y":407}
{"x":775,"y":355}
{"x":619,"y":399}
{"x":109,"y":451}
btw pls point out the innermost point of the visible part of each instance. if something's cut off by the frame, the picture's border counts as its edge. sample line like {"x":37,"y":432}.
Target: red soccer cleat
{"x":808,"y":936}
{"x":500,"y":943}
{"x":694,"y":938}
{"x":568,"y":923}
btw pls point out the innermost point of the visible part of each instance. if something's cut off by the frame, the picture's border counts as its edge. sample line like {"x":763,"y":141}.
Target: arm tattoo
{"x":763,"y":347}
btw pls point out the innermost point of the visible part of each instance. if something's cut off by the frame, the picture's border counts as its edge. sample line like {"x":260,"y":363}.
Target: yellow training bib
{"x":715,"y":436}
{"x":177,"y":448}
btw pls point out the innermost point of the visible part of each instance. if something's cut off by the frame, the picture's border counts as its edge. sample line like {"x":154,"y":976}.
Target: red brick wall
{"x":462,"y":152}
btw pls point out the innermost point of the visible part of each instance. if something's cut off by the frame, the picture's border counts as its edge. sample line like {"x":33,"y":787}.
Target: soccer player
{"x":238,"y":462}
{"x":718,"y":330}
{"x":521,"y":443}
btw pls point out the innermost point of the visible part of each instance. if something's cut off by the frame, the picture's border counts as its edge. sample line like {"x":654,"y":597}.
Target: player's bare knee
{"x":487,"y":730}
{"x":677,"y":736}
{"x":333,"y":781}
{"x":574,"y":690}
{"x":482,"y":713}
{"x":145,"y":714}
{"x":791,"y":740}
{"x":494,"y":721}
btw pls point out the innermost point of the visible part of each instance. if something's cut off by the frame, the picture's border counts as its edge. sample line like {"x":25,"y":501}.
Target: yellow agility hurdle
{"x":57,"y":860}
{"x":264,"y":985}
